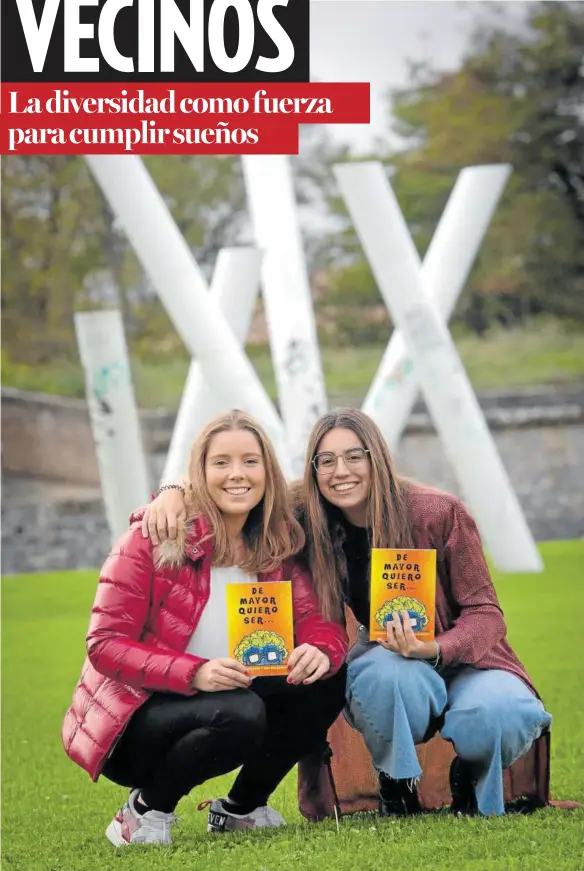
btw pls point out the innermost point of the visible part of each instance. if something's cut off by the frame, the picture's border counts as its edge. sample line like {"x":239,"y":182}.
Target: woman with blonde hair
{"x":468,"y":684}
{"x":161,"y":707}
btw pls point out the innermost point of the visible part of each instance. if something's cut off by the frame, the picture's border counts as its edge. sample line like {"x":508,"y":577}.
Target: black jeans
{"x":174,"y":743}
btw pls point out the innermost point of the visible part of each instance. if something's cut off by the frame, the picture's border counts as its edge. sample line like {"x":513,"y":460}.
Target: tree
{"x":545,"y":75}
{"x":63,"y":249}
{"x":50,"y":244}
{"x":516,"y":98}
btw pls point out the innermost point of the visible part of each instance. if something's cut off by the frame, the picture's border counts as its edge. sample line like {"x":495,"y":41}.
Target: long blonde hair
{"x":387,"y":513}
{"x":271,"y":533}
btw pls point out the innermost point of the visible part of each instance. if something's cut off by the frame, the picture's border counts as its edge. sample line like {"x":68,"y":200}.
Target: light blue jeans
{"x":490,"y":716}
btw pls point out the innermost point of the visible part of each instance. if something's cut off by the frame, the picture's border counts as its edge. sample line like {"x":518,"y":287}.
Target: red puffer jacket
{"x":147,"y":606}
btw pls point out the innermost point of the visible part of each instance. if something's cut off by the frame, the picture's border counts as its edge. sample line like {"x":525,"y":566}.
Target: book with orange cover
{"x":403,"y":580}
{"x":261,"y":626}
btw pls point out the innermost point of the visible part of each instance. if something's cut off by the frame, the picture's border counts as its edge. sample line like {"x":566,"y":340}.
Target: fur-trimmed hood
{"x":194,"y":540}
{"x":297,"y":500}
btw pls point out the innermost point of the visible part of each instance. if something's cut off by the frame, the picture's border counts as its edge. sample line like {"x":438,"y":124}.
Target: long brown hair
{"x":271,"y":532}
{"x":387,"y":513}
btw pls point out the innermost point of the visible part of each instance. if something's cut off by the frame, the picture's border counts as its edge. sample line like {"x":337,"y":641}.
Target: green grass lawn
{"x":541,"y":352}
{"x":54,"y":818}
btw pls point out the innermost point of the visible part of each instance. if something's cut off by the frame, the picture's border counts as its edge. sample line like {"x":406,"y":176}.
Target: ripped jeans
{"x":490,"y":716}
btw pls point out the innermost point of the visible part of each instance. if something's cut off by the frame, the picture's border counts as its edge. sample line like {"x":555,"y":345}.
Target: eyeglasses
{"x":326,"y":462}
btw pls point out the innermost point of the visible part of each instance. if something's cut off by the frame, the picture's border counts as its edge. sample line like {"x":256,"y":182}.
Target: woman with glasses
{"x":468,"y":684}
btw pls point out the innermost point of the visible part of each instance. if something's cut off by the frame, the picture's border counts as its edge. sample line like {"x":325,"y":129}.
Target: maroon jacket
{"x":470,"y":626}
{"x":471,"y":631}
{"x":147,"y":606}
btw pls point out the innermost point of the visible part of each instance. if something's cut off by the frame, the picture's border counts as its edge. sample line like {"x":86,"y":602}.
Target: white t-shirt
{"x":209,"y":640}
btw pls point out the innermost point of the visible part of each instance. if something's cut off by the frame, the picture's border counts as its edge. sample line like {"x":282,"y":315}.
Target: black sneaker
{"x":398,"y":798}
{"x":462,"y":787}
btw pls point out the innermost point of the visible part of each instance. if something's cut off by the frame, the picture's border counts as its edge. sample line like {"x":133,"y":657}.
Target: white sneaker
{"x":129,"y":827}
{"x":221,"y":820}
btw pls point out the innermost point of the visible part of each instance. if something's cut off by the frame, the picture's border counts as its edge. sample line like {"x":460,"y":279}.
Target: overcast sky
{"x":372,"y":41}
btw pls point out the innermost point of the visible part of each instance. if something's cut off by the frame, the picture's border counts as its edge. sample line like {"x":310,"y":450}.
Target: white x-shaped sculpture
{"x":228,"y":373}
{"x":447,"y":392}
{"x":235,"y":285}
{"x":113,"y":415}
{"x":443,"y":274}
{"x":287,"y":299}
{"x":178,"y":280}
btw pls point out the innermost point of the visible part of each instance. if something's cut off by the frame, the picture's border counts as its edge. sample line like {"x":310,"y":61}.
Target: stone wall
{"x":48,"y":529}
{"x":544,"y":464}
{"x":50,"y":436}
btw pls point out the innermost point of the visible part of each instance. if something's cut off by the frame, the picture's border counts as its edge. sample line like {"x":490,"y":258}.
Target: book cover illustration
{"x":261,"y":626}
{"x":403,"y":581}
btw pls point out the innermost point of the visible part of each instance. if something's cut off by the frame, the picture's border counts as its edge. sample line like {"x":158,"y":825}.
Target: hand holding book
{"x":261,"y":627}
{"x":403,"y":601}
{"x":221,"y":674}
{"x":308,"y":664}
{"x":261,"y":634}
{"x":402,"y":639}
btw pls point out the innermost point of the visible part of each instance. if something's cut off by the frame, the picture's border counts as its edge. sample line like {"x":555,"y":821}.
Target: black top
{"x":357,"y":554}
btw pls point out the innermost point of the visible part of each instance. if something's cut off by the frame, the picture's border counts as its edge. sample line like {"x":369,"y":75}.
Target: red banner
{"x":169,"y":118}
